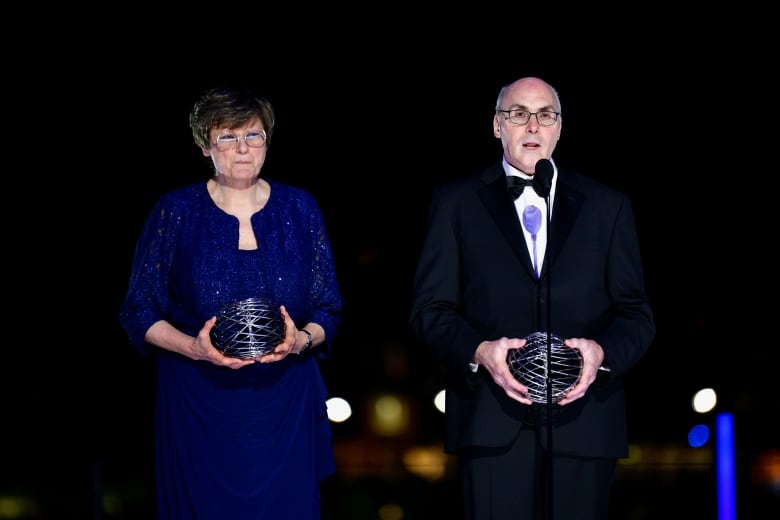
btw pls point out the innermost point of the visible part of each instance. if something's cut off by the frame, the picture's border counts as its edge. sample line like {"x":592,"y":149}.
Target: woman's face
{"x":238,"y":153}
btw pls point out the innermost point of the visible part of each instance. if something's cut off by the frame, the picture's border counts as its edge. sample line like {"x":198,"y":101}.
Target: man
{"x":484,"y":282}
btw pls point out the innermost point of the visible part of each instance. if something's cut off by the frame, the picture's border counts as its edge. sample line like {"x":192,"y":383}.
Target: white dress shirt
{"x":530,"y":197}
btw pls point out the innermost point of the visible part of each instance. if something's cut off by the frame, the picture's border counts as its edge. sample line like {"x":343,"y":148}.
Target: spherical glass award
{"x":529,"y":365}
{"x":248,"y":328}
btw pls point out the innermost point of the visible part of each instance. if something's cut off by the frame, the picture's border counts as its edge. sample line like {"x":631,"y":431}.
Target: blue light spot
{"x":698,"y":436}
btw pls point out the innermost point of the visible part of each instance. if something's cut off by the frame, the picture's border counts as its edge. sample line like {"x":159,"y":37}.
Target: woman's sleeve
{"x":325,"y":294}
{"x":147,"y":298}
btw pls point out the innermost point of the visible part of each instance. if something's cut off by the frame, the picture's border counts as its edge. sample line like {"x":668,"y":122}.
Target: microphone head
{"x":543,"y":174}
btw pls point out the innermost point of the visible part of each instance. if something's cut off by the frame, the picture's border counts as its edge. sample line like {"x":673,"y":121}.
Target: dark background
{"x":369,"y":122}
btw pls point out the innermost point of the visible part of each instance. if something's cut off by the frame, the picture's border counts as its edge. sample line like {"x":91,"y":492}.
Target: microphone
{"x":543,"y":177}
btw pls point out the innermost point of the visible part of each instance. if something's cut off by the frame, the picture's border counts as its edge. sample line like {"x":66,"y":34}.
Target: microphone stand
{"x":549,"y":456}
{"x":543,"y":179}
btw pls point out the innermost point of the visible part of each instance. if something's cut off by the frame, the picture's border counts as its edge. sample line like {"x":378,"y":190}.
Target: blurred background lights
{"x":389,"y":415}
{"x":698,"y":436}
{"x":391,"y":512}
{"x":438,"y":401}
{"x":428,"y":462}
{"x":338,"y":409}
{"x":704,"y":400}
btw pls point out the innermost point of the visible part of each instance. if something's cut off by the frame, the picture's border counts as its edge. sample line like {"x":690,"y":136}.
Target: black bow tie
{"x":515,"y":185}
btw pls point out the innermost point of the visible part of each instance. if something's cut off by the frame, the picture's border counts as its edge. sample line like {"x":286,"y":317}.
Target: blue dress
{"x":252,"y":443}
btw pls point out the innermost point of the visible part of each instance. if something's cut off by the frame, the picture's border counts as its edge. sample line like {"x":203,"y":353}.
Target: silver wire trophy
{"x":529,"y":366}
{"x":248,"y":328}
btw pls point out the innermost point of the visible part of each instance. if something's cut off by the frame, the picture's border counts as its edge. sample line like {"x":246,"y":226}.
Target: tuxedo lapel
{"x":498,"y":203}
{"x":566,"y":206}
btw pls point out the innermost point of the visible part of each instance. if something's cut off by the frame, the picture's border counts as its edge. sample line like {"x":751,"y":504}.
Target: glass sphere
{"x":248,"y":328}
{"x":530,"y":367}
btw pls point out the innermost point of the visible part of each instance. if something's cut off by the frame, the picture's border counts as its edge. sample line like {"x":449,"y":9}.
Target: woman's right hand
{"x":203,"y":349}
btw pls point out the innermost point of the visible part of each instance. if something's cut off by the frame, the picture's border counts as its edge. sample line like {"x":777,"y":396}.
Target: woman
{"x":236,"y":438}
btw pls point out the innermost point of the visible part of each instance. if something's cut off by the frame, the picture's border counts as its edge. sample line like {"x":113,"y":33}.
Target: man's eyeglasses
{"x":228,"y":141}
{"x":521,"y":117}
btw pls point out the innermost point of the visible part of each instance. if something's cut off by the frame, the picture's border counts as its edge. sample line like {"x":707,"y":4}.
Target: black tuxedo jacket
{"x":474,"y":281}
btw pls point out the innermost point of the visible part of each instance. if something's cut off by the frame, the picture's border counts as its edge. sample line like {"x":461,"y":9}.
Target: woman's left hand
{"x":288,"y":344}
